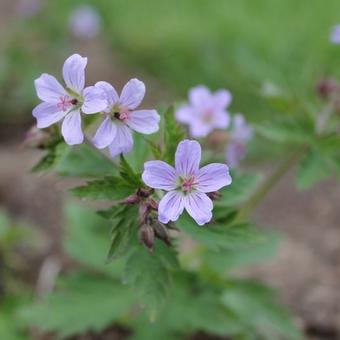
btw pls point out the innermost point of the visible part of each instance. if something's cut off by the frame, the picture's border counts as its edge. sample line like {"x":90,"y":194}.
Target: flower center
{"x":188,"y":184}
{"x":65,"y":102}
{"x":208,"y":116}
{"x":121,"y":113}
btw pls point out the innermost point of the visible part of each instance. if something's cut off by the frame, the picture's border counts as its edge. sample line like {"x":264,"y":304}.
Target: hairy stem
{"x":267,"y":185}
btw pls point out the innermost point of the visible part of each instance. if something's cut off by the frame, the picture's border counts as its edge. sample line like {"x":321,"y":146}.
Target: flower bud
{"x":36,"y":138}
{"x":326,"y":87}
{"x":147,"y":236}
{"x":162,"y":232}
{"x":214,"y":195}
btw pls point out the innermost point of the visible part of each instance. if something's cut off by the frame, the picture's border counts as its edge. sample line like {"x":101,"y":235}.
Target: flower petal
{"x":187,"y":157}
{"x":199,"y":207}
{"x":184,"y":114}
{"x":144,"y":121}
{"x":74,"y":72}
{"x":49,"y":89}
{"x":105,"y":134}
{"x":222,"y":99}
{"x":132,"y":94}
{"x":47,"y":114}
{"x":94,"y":100}
{"x":221,"y":119}
{"x":111,"y":94}
{"x":235,"y":153}
{"x":170,"y":207}
{"x":213,"y":177}
{"x":71,"y":128}
{"x":159,"y":175}
{"x":198,"y":128}
{"x":123,"y":142}
{"x":200,"y":97}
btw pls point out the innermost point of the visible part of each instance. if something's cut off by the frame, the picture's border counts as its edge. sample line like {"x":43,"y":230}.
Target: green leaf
{"x":257,"y":307}
{"x":124,"y":230}
{"x":194,"y":306}
{"x":52,"y":157}
{"x":84,"y":161}
{"x":173,"y":134}
{"x":312,"y":169}
{"x":108,"y":188}
{"x":221,"y":236}
{"x":241,"y":188}
{"x":128,"y":174}
{"x":82,"y":302}
{"x":88,"y":238}
{"x":222,"y":260}
{"x":288,"y":130}
{"x":150,"y":275}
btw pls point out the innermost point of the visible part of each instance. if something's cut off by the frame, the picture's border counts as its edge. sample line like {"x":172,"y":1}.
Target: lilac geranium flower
{"x":205,"y":111}
{"x":186,"y":184}
{"x":85,"y":22}
{"x":120,"y":117}
{"x":335,"y":35}
{"x":67,"y":103}
{"x":239,"y":136}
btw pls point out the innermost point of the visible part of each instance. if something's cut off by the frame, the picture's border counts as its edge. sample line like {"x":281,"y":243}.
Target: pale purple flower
{"x":240,"y":134}
{"x":121,"y":117}
{"x":67,"y":102}
{"x":335,"y":34}
{"x":85,"y":22}
{"x":186,"y":184}
{"x":205,"y":111}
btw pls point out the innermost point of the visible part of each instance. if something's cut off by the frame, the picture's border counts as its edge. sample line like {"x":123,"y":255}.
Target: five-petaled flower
{"x":121,"y":117}
{"x":205,"y":112}
{"x":240,"y":134}
{"x":68,"y":103}
{"x":186,"y":184}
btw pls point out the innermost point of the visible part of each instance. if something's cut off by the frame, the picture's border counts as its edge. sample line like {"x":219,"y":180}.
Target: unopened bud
{"x":36,"y":138}
{"x":215,"y":195}
{"x":162,"y":232}
{"x":144,"y":193}
{"x":327,"y":87}
{"x":132,"y":199}
{"x":147,"y":236}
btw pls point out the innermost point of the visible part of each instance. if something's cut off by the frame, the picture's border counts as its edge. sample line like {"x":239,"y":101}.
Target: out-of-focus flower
{"x":187,"y":184}
{"x":85,"y":22}
{"x":327,"y":87}
{"x":335,"y":34}
{"x":205,"y":111}
{"x":240,"y":134}
{"x":121,"y":117}
{"x":68,"y":103}
{"x":28,"y":8}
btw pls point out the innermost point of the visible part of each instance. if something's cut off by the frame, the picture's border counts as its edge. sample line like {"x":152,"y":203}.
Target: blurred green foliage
{"x":247,"y":46}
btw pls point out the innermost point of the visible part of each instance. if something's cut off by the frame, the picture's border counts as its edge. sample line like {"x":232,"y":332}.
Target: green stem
{"x":263,"y":190}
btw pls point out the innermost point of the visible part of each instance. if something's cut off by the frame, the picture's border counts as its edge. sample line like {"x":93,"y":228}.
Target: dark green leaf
{"x":241,"y":188}
{"x":84,"y":161}
{"x":108,"y":188}
{"x":173,"y":134}
{"x":221,"y":236}
{"x":257,"y":307}
{"x":82,"y":302}
{"x":312,"y":169}
{"x":150,"y":275}
{"x":128,"y":174}
{"x":287,"y":130}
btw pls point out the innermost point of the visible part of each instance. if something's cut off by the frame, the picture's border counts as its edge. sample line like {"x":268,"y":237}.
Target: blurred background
{"x":258,"y":49}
